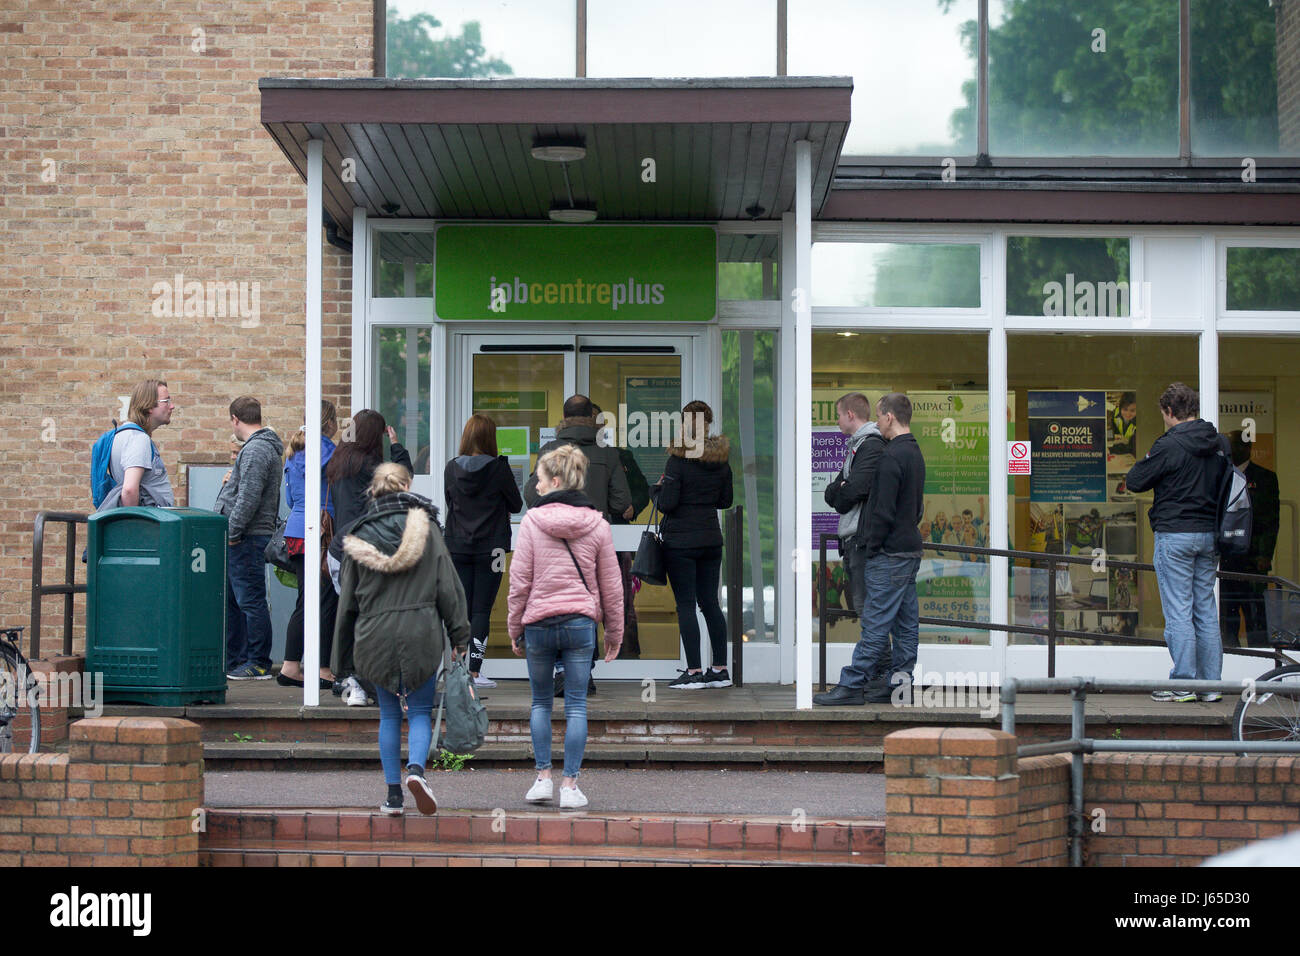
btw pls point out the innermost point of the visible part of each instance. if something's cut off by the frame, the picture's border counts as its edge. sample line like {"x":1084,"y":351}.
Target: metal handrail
{"x":1051,"y":631}
{"x":735,"y":525}
{"x":69,"y":588}
{"x":1079,"y":744}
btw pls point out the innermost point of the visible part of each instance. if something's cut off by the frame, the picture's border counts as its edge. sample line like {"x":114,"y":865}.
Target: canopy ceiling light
{"x":559,"y":213}
{"x":565,"y":152}
{"x":559,"y":150}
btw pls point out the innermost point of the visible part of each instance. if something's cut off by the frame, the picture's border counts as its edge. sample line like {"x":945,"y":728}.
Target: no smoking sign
{"x":1018,"y":458}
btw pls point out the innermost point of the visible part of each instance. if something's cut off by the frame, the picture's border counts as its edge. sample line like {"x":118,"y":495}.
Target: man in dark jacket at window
{"x":892,"y":552}
{"x":1246,"y":598}
{"x":1185,"y":467}
{"x":606,"y":481}
{"x":849,"y":492}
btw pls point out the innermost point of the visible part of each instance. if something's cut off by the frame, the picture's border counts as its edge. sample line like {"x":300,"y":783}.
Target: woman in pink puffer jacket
{"x":564,"y":577}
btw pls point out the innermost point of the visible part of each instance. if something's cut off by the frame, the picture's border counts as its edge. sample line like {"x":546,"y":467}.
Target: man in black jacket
{"x":1185,"y":466}
{"x":1246,"y":598}
{"x":606,"y":480}
{"x":892,"y":550}
{"x":849,"y":492}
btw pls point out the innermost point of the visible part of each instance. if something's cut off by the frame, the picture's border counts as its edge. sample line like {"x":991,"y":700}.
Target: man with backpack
{"x":126,"y":469}
{"x":1186,"y":467}
{"x":250,"y":500}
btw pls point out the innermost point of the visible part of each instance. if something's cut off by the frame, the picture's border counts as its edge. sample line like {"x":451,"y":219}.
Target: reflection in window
{"x":1089,"y":77}
{"x":743,"y":281}
{"x":1263,"y":280}
{"x":681,"y":38}
{"x":749,"y":417}
{"x":402,"y":381}
{"x":896,"y":275}
{"x":1067,"y":277}
{"x":1236,"y":82}
{"x":910,"y":77}
{"x":470,"y":38}
{"x":403,"y":265}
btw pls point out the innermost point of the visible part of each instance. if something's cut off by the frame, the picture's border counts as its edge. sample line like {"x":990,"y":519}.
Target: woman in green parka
{"x":398,"y":591}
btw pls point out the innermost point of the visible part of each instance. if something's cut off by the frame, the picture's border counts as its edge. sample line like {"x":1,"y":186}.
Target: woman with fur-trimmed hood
{"x":696,"y":483}
{"x":398,"y":589}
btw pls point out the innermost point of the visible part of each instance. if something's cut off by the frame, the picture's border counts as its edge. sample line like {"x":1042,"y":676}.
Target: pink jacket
{"x":543,"y":581}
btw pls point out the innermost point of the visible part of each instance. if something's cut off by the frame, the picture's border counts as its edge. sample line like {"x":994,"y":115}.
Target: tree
{"x":413,"y":51}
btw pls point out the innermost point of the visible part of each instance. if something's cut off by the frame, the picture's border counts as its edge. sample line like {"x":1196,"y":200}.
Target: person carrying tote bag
{"x":564,"y":578}
{"x":696,"y":484}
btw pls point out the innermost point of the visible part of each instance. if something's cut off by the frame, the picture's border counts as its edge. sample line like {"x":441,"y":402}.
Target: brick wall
{"x":1176,"y":810}
{"x":960,"y":797}
{"x":160,"y":166}
{"x":1288,"y":74}
{"x":123,"y":795}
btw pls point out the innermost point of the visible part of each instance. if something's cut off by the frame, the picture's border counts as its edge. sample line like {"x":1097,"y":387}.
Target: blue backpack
{"x":101,"y":478}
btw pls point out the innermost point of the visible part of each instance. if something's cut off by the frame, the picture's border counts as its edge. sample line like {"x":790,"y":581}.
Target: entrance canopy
{"x":721,"y":149}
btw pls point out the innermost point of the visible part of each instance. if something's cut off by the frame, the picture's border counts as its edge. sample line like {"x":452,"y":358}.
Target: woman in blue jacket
{"x":295,"y":476}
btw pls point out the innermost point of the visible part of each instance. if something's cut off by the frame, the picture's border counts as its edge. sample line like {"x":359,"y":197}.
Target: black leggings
{"x":481,"y":584}
{"x":693,"y":574}
{"x":329,"y":606}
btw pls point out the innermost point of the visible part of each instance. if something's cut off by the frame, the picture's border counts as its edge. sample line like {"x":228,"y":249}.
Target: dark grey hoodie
{"x":1185,"y":466}
{"x":250,"y":500}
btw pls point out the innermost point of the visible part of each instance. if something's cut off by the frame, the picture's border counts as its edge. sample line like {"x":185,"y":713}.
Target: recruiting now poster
{"x":1068,"y":435}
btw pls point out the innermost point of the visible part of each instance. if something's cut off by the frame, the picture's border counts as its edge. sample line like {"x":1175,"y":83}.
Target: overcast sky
{"x":905,"y":55}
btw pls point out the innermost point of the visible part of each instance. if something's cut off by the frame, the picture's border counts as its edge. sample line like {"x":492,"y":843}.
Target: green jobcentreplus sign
{"x":576,"y":273}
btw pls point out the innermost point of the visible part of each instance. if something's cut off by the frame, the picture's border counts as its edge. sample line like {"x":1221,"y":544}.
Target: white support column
{"x":787,"y":605}
{"x":312,"y":397}
{"x":803,"y":423}
{"x":360,"y":294}
{"x":1209,"y":378}
{"x":999,"y":567}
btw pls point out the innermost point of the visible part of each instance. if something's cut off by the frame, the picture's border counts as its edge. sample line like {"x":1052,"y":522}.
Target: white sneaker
{"x":482,"y":681}
{"x":355,"y":695}
{"x":542,"y":791}
{"x":425,"y":801}
{"x":571,"y":798}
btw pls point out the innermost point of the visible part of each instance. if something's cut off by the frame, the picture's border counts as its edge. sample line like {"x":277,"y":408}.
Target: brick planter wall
{"x":1043,"y":811}
{"x":124,"y":795}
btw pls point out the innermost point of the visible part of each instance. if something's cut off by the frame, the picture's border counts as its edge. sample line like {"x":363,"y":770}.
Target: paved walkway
{"x":769,"y":793}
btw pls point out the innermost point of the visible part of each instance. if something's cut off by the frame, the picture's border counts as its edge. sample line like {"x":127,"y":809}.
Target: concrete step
{"x":295,"y":837}
{"x":285,"y":755}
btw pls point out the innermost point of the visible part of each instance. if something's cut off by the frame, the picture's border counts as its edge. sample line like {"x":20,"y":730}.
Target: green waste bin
{"x":156,"y":605}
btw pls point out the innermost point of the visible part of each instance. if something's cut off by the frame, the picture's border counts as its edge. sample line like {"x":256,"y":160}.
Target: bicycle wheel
{"x":17,"y":697}
{"x":1265,"y":716}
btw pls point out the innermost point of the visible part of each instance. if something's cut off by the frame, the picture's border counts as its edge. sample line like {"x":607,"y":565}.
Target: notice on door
{"x":1018,"y":458}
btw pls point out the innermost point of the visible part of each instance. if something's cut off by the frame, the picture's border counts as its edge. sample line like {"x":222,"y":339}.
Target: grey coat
{"x":250,"y":500}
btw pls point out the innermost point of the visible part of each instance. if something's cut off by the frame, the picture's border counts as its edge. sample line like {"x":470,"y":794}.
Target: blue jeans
{"x":570,"y":638}
{"x":248,"y":618}
{"x":1185,"y":570}
{"x":891,"y":607}
{"x":419,"y":708}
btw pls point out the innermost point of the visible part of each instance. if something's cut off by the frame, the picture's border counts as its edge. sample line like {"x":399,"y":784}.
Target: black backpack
{"x":1234,"y":524}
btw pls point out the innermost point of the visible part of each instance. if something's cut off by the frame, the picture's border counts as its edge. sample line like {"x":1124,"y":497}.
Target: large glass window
{"x":468,"y":38}
{"x":1067,"y":277}
{"x":1263,"y":279}
{"x":1085,"y":78}
{"x":945,"y":375}
{"x":403,"y":265}
{"x":749,"y":416}
{"x":1245,"y":77}
{"x":401,"y":395}
{"x":896,"y":274}
{"x":1088,"y":406}
{"x":1259,"y":384}
{"x":912,"y":65}
{"x":672,"y":38}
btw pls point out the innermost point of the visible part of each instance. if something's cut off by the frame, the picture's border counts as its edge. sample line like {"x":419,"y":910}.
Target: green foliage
{"x":413,"y":52}
{"x":1263,"y":279}
{"x":1053,"y":91}
{"x":919,"y":275}
{"x":446,"y":760}
{"x":1033,"y":261}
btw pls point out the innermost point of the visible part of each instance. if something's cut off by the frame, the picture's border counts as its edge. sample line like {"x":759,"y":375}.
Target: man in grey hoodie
{"x":250,"y":500}
{"x":848,"y":493}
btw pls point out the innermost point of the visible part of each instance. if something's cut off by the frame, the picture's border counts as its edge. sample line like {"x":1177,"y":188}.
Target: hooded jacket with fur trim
{"x":696,"y":484}
{"x":398,"y":590}
{"x":543,"y":579}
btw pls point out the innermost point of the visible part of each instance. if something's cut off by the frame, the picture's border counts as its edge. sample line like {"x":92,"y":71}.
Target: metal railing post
{"x":1051,"y":617}
{"x":735,"y":597}
{"x":38,"y":563}
{"x":822,"y":615}
{"x":1079,"y":700}
{"x":70,"y":580}
{"x":69,"y":588}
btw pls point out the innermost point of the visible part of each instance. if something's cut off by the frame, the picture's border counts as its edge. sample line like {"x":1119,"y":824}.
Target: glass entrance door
{"x":639,"y":382}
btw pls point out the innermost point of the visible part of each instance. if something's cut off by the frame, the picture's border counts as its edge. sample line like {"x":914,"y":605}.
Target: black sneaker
{"x":688,"y":681}
{"x":717,"y":678}
{"x":392,"y":806}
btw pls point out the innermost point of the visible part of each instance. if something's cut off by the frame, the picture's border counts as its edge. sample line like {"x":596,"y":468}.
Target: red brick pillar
{"x":951,"y":797}
{"x":56,"y":692}
{"x":133,"y":786}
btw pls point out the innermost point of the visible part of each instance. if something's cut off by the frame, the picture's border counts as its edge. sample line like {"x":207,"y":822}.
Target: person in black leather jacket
{"x":696,"y":483}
